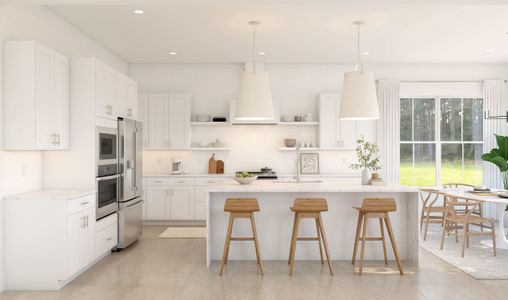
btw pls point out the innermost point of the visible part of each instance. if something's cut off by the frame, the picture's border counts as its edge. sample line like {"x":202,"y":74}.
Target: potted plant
{"x":499,"y":157}
{"x":368,"y":159}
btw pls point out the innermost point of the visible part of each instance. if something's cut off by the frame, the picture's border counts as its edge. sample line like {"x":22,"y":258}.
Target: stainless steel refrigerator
{"x":130,"y":203}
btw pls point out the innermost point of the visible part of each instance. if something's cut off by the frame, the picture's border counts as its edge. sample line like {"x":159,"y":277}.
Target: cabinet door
{"x":105,"y":90}
{"x":60,"y":101}
{"x":121,"y":97}
{"x":45,"y":138}
{"x":157,"y":203}
{"x":143,"y":117}
{"x":132,"y":100}
{"x":328,"y":120}
{"x":88,"y":238}
{"x":347,"y":138}
{"x":75,"y":226}
{"x":158,"y":110}
{"x":182,"y":203}
{"x":179,"y":122}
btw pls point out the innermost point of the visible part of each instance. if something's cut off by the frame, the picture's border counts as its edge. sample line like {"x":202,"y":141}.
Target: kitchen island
{"x":275,"y":220}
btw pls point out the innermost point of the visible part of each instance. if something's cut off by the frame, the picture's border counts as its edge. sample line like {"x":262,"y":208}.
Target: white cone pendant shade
{"x":255,"y":97}
{"x":359,"y":98}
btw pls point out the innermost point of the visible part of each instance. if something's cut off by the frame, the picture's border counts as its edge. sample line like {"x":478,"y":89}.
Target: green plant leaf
{"x":500,"y":163}
{"x":502,"y":143}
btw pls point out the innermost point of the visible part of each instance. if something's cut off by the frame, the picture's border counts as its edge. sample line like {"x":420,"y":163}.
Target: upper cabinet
{"x":166,"y":121}
{"x":36,"y":97}
{"x":115,"y":94}
{"x":341,"y":134}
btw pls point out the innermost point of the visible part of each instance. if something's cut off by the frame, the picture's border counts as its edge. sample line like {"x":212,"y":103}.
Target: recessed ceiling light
{"x":490,"y":51}
{"x":172,"y":53}
{"x":262,"y":53}
{"x":366,"y":53}
{"x":138,"y":11}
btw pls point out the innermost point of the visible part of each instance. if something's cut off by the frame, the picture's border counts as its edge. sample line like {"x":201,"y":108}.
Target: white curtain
{"x":388,"y":96}
{"x":493,"y":97}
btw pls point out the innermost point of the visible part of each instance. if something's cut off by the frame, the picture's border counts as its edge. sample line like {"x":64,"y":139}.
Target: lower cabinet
{"x":106,"y":235}
{"x":175,"y":198}
{"x":80,"y":240}
{"x":49,"y":238}
{"x":167,"y":202}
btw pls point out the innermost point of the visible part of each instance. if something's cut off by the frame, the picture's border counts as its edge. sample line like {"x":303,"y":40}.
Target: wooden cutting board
{"x":212,"y":165}
{"x":220,"y":167}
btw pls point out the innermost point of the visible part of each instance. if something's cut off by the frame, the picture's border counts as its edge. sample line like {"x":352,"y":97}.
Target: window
{"x":441,"y":140}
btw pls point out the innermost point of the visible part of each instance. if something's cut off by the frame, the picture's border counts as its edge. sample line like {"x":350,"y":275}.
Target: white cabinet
{"x":340,"y":134}
{"x":200,"y":202}
{"x":182,"y":203}
{"x":106,"y":235}
{"x":168,"y":119}
{"x":143,"y":117}
{"x":158,"y":202}
{"x":49,"y":238}
{"x":106,"y":98}
{"x":36,"y":102}
{"x":170,"y":199}
{"x":158,"y":121}
{"x":127,"y":96}
{"x":81,"y":240}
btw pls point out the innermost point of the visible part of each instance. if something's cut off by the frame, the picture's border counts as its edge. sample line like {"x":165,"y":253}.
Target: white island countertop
{"x":325,"y":186}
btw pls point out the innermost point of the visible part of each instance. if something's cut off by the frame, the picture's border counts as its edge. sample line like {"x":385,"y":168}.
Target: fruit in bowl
{"x":244,"y":177}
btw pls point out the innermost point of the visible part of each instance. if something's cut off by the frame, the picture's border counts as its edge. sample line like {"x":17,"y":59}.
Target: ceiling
{"x":295,"y":31}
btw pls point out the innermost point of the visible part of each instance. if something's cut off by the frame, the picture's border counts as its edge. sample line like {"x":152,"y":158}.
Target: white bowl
{"x":203,"y":118}
{"x":245,"y":180}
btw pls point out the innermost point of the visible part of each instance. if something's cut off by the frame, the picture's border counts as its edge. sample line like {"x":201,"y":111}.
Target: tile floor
{"x":174,"y":269}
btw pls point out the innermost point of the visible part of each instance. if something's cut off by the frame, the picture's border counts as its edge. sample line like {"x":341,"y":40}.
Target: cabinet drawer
{"x":106,"y":239}
{"x":210,"y":180}
{"x":170,"y":181}
{"x":80,"y":204}
{"x":106,"y":222}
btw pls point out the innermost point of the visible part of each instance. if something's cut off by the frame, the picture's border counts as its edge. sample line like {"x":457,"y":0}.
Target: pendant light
{"x":359,"y":99}
{"x":255,"y":94}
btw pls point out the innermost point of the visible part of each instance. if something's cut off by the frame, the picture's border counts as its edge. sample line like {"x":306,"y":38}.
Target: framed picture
{"x":309,"y":163}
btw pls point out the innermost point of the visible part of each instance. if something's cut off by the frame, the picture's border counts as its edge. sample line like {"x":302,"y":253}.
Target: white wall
{"x":21,"y":171}
{"x":296,"y":88}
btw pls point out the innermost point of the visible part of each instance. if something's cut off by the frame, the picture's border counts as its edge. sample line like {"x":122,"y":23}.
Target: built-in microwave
{"x":106,"y":147}
{"x":108,"y":194}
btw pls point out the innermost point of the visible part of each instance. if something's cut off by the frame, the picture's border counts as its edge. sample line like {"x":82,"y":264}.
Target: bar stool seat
{"x":241,"y":208}
{"x":309,"y":208}
{"x":375,"y":208}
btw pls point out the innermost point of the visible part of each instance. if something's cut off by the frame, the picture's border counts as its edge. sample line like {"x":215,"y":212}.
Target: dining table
{"x":490,"y":196}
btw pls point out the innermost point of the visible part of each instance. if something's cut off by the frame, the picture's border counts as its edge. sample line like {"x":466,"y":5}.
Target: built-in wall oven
{"x":106,"y":147}
{"x":108,"y":194}
{"x":108,"y":177}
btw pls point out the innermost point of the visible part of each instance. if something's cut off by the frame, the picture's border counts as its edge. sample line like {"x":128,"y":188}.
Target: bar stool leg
{"x":383,"y":239}
{"x":464,"y":238}
{"x":325,"y":242}
{"x":394,"y":244}
{"x":364,"y":235}
{"x":293,"y":244}
{"x":292,"y":238}
{"x":256,"y":243}
{"x":357,"y":237}
{"x":319,"y":241}
{"x":226,"y":244}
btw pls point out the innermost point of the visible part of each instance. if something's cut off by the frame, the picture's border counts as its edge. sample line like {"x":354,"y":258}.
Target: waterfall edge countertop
{"x":325,"y":186}
{"x":51,"y":195}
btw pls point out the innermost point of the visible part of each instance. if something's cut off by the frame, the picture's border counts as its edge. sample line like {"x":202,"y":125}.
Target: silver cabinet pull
{"x":58,"y":139}
{"x":180,"y":181}
{"x":84,"y":203}
{"x":157,"y":181}
{"x":82,"y":222}
{"x":211,"y":181}
{"x":109,"y":239}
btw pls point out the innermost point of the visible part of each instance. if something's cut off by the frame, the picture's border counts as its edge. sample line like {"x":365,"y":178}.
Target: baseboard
{"x":175,"y":223}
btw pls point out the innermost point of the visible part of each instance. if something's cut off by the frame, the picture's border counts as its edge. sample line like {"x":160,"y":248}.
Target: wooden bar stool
{"x":241,"y":208}
{"x":375,"y":208}
{"x":305,"y":208}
